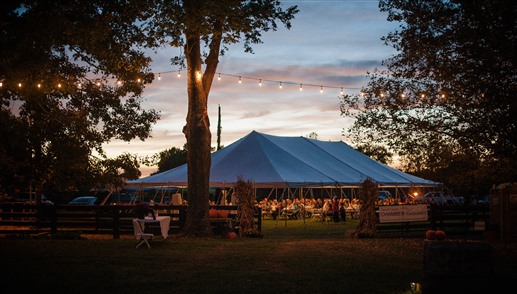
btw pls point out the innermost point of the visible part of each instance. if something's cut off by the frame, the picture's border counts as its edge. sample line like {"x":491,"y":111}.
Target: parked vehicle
{"x":30,"y":197}
{"x":85,"y":200}
{"x":120,"y":199}
{"x":383,"y":195}
{"x":439,"y":198}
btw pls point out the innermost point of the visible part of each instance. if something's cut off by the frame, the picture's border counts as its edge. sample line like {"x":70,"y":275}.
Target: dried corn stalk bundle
{"x":367,"y":196}
{"x":245,"y":197}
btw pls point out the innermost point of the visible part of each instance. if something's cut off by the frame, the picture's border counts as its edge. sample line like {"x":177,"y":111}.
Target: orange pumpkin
{"x":212,"y":213}
{"x":440,"y":235}
{"x":232,"y":235}
{"x":222,"y":213}
{"x":430,"y":234}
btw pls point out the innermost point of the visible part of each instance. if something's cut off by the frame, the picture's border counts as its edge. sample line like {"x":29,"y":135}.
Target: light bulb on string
{"x":179,"y":74}
{"x":138,"y":80}
{"x":260,"y":82}
{"x":159,"y":77}
{"x":19,"y":85}
{"x":59,"y":85}
{"x":240,"y":80}
{"x":280,"y":85}
{"x":341,"y":91}
{"x":301,"y":87}
{"x":39,"y":86}
{"x":321,"y":89}
{"x":219,"y":77}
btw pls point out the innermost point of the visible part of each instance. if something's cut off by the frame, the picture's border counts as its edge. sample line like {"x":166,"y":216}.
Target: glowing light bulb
{"x":321,"y":89}
{"x":219,"y":77}
{"x":159,"y":77}
{"x":240,"y":80}
{"x":341,"y":91}
{"x":301,"y":87}
{"x":280,"y":85}
{"x":39,"y":86}
{"x":98,"y":84}
{"x":59,"y":85}
{"x":119,"y":83}
{"x":403,"y":95}
{"x":138,"y":80}
{"x":1,"y":85}
{"x":19,"y":85}
{"x":260,"y":82}
{"x":179,"y":74}
{"x":198,"y":75}
{"x":422,"y":96}
{"x":443,"y":95}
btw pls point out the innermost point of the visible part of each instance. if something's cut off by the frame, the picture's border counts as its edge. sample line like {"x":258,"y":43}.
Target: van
{"x":383,"y":195}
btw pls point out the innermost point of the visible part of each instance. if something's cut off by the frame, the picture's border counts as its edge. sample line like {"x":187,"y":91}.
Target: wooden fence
{"x":24,"y":219}
{"x":456,"y":221}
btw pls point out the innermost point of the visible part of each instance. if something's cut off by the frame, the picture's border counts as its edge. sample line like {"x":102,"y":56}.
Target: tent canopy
{"x":270,"y":161}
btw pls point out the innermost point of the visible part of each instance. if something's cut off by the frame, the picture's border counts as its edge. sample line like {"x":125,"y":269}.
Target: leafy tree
{"x":446,"y":101}
{"x":376,"y":152}
{"x":71,"y":73}
{"x":204,"y":28}
{"x":168,"y":159}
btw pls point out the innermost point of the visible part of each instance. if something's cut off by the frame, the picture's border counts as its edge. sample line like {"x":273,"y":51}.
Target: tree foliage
{"x":446,"y":101}
{"x":204,"y":29}
{"x":60,"y":100}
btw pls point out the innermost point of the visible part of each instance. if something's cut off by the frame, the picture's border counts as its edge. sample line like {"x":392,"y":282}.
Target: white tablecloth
{"x":165,"y":222}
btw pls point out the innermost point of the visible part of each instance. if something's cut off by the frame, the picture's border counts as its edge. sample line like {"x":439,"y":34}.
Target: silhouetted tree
{"x":60,"y":100}
{"x":449,"y":93}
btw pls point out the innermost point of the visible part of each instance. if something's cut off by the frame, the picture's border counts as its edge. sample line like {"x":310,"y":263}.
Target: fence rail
{"x":456,"y":221}
{"x":116,"y":220}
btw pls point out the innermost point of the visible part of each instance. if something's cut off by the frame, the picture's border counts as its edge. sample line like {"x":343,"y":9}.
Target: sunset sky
{"x":331,"y":44}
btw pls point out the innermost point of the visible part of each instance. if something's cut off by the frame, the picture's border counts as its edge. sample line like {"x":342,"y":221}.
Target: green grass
{"x":293,"y":257}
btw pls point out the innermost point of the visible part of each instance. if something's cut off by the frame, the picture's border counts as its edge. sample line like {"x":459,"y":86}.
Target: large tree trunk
{"x":197,"y":132}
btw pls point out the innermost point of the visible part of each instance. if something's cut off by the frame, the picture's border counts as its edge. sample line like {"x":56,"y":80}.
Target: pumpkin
{"x":430,"y":234}
{"x":212,"y":213}
{"x":440,"y":235}
{"x":232,"y":235}
{"x":222,"y":213}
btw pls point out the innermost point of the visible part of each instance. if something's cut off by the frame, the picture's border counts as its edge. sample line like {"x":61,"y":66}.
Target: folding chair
{"x":140,"y":235}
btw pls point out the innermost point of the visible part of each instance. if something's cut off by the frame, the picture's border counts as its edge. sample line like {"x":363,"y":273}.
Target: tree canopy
{"x":71,"y":78}
{"x":446,"y":101}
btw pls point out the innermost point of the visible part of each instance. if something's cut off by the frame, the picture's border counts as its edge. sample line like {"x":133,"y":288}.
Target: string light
{"x":241,"y":79}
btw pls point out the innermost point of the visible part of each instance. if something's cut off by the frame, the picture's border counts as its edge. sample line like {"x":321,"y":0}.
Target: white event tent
{"x":270,"y":161}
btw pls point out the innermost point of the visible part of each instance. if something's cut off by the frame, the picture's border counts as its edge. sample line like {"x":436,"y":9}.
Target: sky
{"x":331,"y":44}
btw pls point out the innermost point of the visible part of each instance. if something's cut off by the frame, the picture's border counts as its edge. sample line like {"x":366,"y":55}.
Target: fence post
{"x":259,"y":220}
{"x":116,"y":222}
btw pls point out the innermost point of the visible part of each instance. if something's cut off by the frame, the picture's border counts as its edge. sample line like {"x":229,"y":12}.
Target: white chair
{"x":140,"y":235}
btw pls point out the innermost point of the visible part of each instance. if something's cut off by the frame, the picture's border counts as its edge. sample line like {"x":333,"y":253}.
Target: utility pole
{"x":219,"y":127}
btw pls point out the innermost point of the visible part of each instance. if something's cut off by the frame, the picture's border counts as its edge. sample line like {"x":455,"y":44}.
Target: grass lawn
{"x":293,"y":257}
